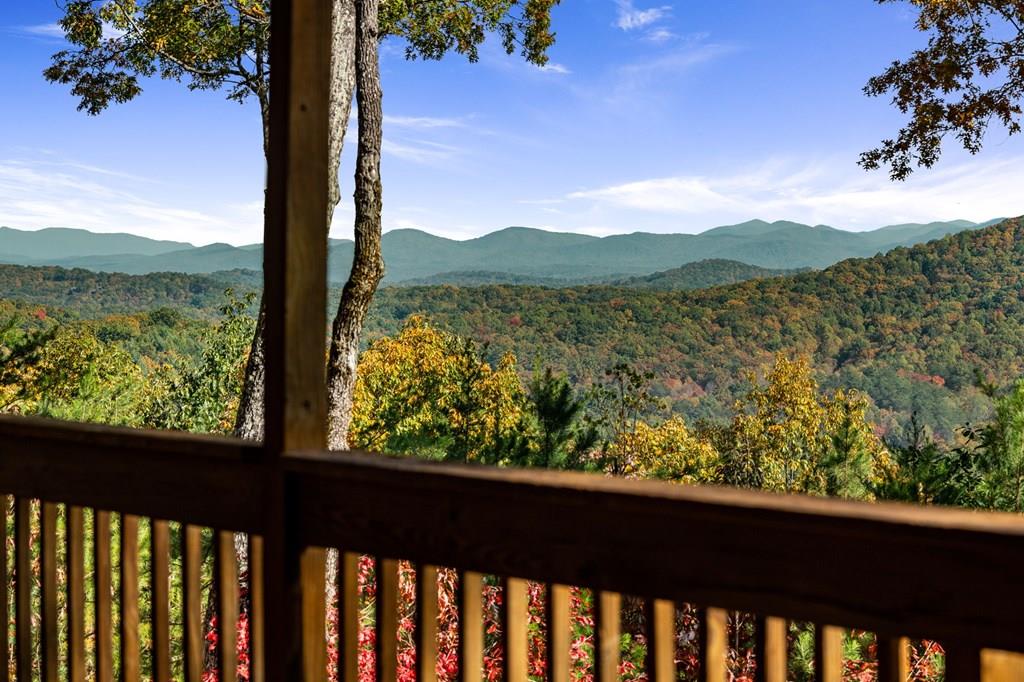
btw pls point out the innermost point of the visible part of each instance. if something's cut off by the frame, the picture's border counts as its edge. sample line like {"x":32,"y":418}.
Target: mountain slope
{"x":910,"y":328}
{"x":520,"y":251}
{"x":26,"y":247}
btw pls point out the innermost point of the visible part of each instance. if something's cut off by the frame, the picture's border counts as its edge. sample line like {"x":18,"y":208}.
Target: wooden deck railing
{"x":899,"y":571}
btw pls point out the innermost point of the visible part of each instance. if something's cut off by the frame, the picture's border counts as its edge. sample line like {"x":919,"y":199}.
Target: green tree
{"x":224,"y":45}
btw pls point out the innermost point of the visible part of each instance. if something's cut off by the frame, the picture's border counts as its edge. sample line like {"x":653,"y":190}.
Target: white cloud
{"x":552,"y":67}
{"x":43,"y":30}
{"x":813,"y":194}
{"x":36,"y":194}
{"x":631,"y":18}
{"x":659,"y":35}
{"x":421,"y":122}
{"x":423,"y":152}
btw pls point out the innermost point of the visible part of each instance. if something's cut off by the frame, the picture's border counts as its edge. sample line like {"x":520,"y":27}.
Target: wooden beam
{"x":515,"y":614}
{"x":103,"y":626}
{"x":607,"y":635}
{"x":660,"y":621}
{"x":714,"y":645}
{"x":191,"y":603}
{"x":131,"y":665}
{"x":295,"y":291}
{"x":75,"y":568}
{"x":828,"y":653}
{"x":578,"y":527}
{"x":199,"y":479}
{"x":160,"y":612}
{"x":772,"y":650}
{"x":557,"y":606}
{"x":48,"y":633}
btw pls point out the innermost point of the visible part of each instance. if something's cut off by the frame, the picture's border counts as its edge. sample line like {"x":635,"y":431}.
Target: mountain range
{"x":511,"y":255}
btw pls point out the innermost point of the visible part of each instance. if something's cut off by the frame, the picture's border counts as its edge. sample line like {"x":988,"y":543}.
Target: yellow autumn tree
{"x":431,"y":393}
{"x":669,"y":451}
{"x":787,"y":436}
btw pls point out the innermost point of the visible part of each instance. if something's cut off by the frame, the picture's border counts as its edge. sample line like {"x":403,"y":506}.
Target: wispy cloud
{"x":816,"y":192}
{"x":631,"y":18}
{"x":423,"y":152}
{"x":553,"y":67}
{"x":422,"y":122}
{"x":43,"y":30}
{"x":51,"y":193}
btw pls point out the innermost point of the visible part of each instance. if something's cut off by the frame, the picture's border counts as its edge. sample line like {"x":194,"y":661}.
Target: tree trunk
{"x":367,"y":261}
{"x":249,"y":422}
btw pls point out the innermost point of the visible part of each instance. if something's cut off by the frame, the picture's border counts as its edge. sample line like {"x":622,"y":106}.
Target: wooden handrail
{"x":899,"y":570}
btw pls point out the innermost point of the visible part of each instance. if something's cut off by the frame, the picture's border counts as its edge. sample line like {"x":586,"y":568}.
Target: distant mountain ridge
{"x":519,"y":252}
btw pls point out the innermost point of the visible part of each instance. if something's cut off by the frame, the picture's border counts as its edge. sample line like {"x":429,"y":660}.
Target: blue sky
{"x":653,"y":116}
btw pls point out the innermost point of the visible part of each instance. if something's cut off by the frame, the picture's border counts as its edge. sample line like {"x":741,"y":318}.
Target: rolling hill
{"x":910,"y":328}
{"x":528,"y":253}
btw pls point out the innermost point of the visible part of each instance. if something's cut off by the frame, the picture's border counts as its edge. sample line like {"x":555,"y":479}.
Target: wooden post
{"x":295,"y":291}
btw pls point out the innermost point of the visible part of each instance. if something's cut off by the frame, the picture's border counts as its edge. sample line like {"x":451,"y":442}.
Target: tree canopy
{"x":970,"y":74}
{"x":224,"y":44}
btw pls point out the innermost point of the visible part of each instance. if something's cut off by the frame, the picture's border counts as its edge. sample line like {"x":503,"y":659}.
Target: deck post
{"x":295,"y":296}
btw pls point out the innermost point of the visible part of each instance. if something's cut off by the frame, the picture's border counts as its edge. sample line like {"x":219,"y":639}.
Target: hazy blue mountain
{"x":22,"y":247}
{"x":520,"y":253}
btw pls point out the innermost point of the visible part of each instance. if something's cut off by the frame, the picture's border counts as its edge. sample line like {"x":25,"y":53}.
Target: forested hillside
{"x":911,"y":328}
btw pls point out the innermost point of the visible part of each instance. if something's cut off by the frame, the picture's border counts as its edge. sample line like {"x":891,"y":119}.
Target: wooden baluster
{"x":608,"y":631}
{"x":5,"y":616}
{"x":191,"y":611}
{"x":556,"y":607}
{"x":75,"y":571}
{"x":48,"y":638}
{"x":772,"y":651}
{"x":471,"y":627}
{"x":23,"y":588}
{"x":828,"y":653}
{"x":313,"y":578}
{"x":963,"y":663}
{"x":660,"y":622}
{"x":226,"y":571}
{"x":387,"y":620}
{"x":130,"y":663}
{"x":426,"y":623}
{"x":160,"y":612}
{"x":714,"y":645}
{"x":102,"y":575}
{"x":893,"y":659}
{"x":514,"y":624}
{"x":348,"y":617}
{"x":257,"y":624}
{"x":1001,"y":666}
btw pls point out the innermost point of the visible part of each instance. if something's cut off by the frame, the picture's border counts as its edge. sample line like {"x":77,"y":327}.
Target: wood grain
{"x":314,"y":613}
{"x":23,"y":588}
{"x":574,"y":529}
{"x":5,"y":616}
{"x":714,"y":645}
{"x":257,"y":611}
{"x":607,"y":634}
{"x":75,"y":571}
{"x":103,"y":590}
{"x":130,"y":654}
{"x":772,"y":650}
{"x":893,"y":659}
{"x":660,"y":625}
{"x":160,"y":611}
{"x":387,"y":620}
{"x":199,"y":479}
{"x":191,"y":603}
{"x":48,"y":635}
{"x":348,"y":617}
{"x":226,"y":575}
{"x":514,"y":626}
{"x":426,"y":623}
{"x":828,"y":653}
{"x":471,"y":627}
{"x":559,"y":636}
